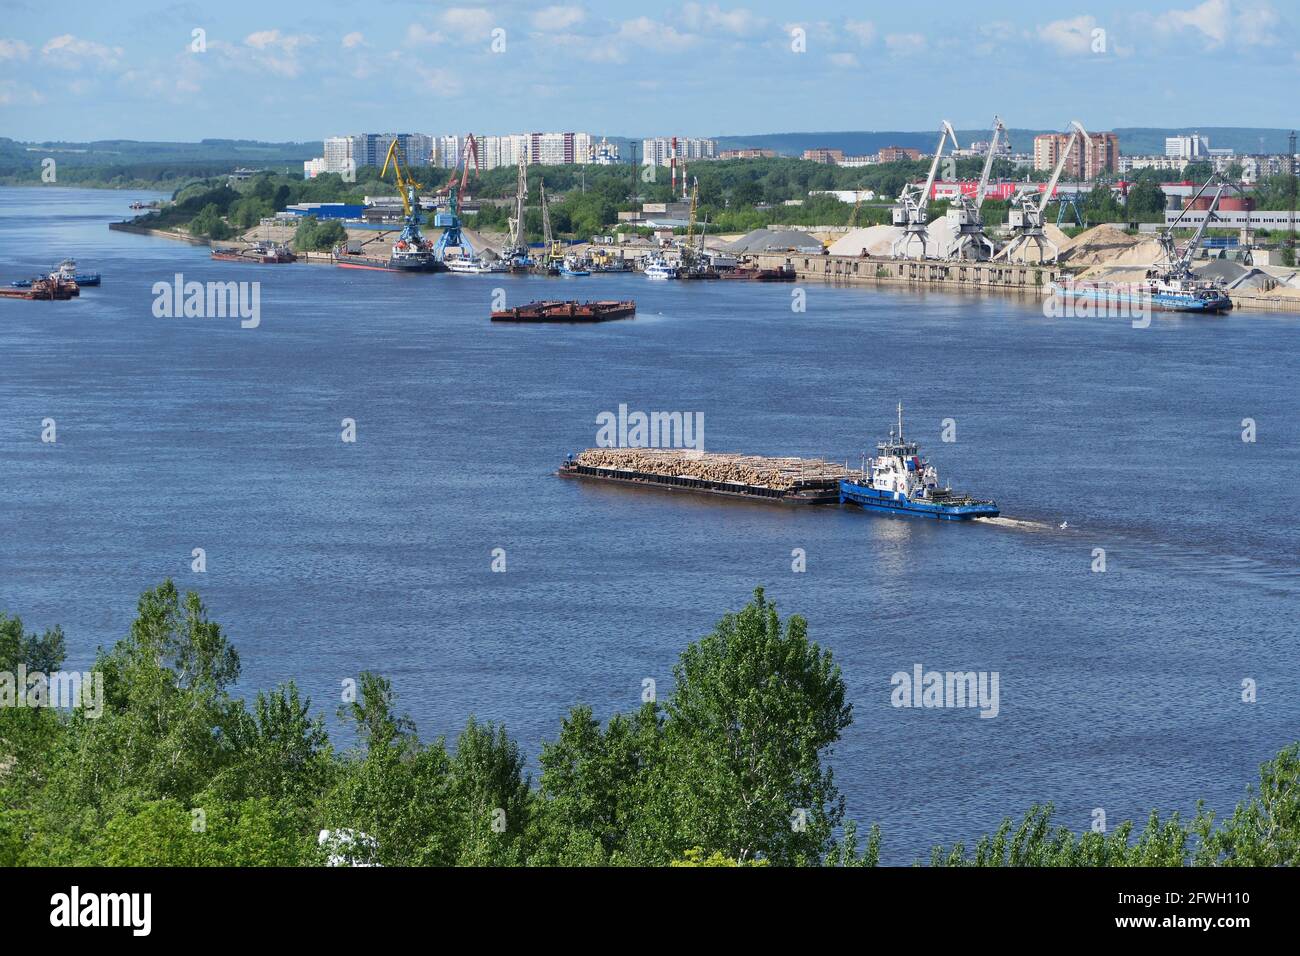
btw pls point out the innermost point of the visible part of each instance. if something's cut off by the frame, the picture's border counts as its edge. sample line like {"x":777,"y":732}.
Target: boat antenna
{"x":900,"y":421}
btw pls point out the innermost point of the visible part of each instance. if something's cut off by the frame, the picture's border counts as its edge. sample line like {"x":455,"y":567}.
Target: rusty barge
{"x":555,"y":310}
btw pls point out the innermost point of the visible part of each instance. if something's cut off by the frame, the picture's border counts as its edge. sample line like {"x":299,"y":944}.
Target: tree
{"x":754,"y":707}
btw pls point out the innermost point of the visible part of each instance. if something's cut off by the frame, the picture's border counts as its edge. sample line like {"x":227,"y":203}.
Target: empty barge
{"x":791,"y":481}
{"x":556,"y":310}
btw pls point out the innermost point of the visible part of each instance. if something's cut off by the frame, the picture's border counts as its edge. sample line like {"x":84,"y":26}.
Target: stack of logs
{"x":779,"y":473}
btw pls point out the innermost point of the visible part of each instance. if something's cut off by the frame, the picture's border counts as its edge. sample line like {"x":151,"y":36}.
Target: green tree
{"x":754,"y":708}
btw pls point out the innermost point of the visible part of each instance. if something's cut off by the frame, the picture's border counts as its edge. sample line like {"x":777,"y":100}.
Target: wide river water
{"x":1119,"y":690}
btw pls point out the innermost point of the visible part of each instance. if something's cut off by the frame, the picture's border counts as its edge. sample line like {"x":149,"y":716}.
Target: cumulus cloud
{"x":557,"y":19}
{"x":354,"y":39}
{"x":904,"y":43}
{"x":68,"y":52}
{"x":654,"y":35}
{"x":1071,"y":37}
{"x":844,"y":60}
{"x":1217,"y":22}
{"x":419,"y":35}
{"x":863,"y":30}
{"x":467,"y":23}
{"x":713,"y":19}
{"x":13,"y":50}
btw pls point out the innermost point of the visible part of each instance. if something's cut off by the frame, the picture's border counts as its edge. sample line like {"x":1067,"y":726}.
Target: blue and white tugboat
{"x":901,"y":481}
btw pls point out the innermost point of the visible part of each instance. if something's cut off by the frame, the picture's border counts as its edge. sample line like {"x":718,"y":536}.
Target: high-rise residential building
{"x":313,"y":168}
{"x":1086,"y":161}
{"x":1193,"y":146}
{"x":658,"y":150}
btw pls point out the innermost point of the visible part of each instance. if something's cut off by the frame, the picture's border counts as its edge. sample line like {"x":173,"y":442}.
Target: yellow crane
{"x":407,"y":187}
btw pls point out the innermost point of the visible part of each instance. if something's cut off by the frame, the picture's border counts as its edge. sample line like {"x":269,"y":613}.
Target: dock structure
{"x":950,"y":273}
{"x":787,"y":480}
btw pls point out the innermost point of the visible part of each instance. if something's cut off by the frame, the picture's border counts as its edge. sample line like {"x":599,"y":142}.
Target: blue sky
{"x":292,"y":69}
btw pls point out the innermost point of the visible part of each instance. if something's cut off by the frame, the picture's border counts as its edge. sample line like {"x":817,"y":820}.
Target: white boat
{"x":466,"y":265}
{"x":658,"y":268}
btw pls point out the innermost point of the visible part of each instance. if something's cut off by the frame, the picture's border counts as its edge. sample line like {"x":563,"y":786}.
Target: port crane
{"x":554,"y":248}
{"x":409,"y":190}
{"x":909,"y":212}
{"x":449,"y":221}
{"x":1178,"y":265}
{"x":1026,"y":215}
{"x":966,"y":216}
{"x":516,"y":252}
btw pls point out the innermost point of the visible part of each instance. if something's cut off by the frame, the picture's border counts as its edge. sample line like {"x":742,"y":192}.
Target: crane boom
{"x":1076,"y":131}
{"x":406,"y":186}
{"x":945,"y":132}
{"x":988,"y":162}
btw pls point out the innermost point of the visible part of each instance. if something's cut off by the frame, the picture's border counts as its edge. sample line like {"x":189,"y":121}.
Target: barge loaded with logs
{"x":556,"y":310}
{"x":791,"y":481}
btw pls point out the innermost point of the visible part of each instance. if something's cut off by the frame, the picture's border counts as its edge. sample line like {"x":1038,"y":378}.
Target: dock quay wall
{"x":1032,"y":277}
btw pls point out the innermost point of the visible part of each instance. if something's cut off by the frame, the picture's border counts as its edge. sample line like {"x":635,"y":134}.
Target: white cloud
{"x":72,"y":53}
{"x":557,"y":19}
{"x":468,"y":23}
{"x":712,"y":18}
{"x":13,"y":50}
{"x":1071,"y":37}
{"x":418,"y":35}
{"x":905,"y":43}
{"x":354,"y":39}
{"x":654,"y":35}
{"x":1221,"y":22}
{"x":844,"y":60}
{"x":863,"y":30}
{"x":14,"y":94}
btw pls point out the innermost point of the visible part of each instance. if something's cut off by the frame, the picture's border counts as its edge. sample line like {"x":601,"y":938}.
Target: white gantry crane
{"x":965,"y":214}
{"x":909,"y":211}
{"x":1026,"y":214}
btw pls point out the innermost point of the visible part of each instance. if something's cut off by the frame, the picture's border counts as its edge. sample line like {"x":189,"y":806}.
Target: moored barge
{"x":791,"y":481}
{"x":556,"y":310}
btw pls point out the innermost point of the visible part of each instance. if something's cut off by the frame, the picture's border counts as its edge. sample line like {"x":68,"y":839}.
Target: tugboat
{"x":901,"y":481}
{"x":572,"y":267}
{"x":65,"y":271}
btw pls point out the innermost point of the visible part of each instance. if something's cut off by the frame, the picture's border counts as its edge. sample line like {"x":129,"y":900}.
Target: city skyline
{"x":182,"y":71}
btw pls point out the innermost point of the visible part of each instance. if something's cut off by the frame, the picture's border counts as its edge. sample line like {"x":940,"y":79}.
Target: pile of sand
{"x":1097,"y":246}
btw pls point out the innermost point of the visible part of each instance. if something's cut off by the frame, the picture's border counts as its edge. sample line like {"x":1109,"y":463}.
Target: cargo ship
{"x":787,"y":481}
{"x":555,"y":310}
{"x":1169,"y":293}
{"x":262,"y":252}
{"x":901,"y":481}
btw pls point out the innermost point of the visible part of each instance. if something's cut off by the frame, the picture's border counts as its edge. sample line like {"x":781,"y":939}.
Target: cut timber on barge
{"x":567,"y":311}
{"x":792,"y":481}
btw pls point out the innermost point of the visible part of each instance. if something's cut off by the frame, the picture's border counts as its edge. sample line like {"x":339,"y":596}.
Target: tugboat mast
{"x":900,"y":421}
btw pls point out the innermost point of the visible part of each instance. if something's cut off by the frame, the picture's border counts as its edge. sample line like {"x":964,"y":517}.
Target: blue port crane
{"x":449,"y":221}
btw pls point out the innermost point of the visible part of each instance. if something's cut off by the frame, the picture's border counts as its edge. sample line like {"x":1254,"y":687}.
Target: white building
{"x":658,"y":150}
{"x":1175,"y":164}
{"x":1192,"y":146}
{"x":313,"y":168}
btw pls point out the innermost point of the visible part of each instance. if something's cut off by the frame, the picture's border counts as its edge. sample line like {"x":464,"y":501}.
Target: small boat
{"x":466,"y":265}
{"x":658,"y":268}
{"x":901,"y":481}
{"x":66,"y":271}
{"x":572,"y":267}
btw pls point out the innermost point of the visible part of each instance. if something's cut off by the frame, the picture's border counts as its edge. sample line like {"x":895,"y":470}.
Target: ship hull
{"x":1164,"y":301}
{"x":883,"y":501}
